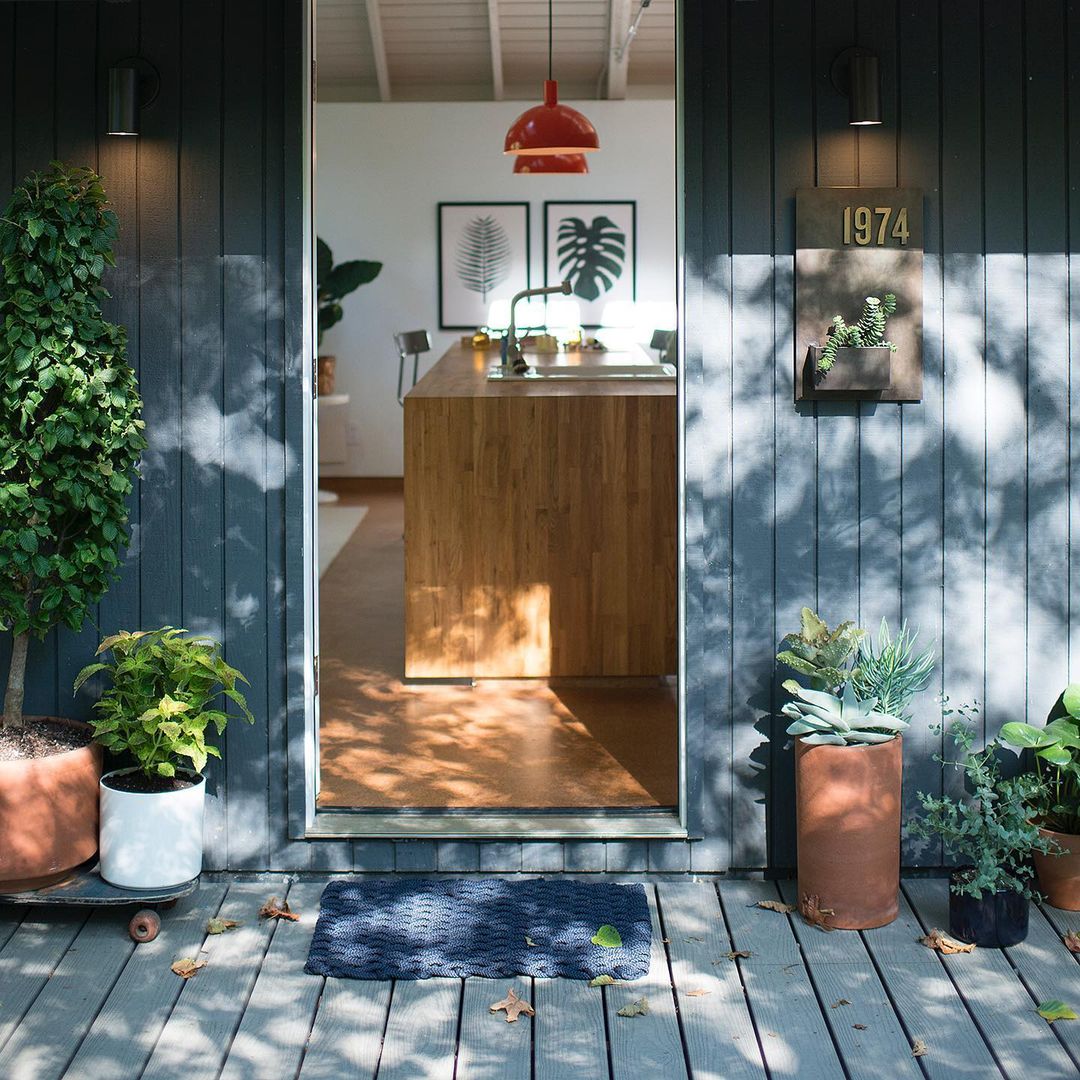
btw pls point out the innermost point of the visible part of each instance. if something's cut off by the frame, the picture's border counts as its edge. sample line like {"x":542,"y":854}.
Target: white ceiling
{"x":484,"y":50}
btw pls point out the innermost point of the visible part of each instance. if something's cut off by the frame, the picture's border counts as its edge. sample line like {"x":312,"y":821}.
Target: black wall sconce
{"x":133,"y":85}
{"x":856,"y":74}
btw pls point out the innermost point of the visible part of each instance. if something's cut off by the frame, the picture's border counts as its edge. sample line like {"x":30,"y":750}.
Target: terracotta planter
{"x":48,"y":816}
{"x":1059,"y":875}
{"x":847,"y":803}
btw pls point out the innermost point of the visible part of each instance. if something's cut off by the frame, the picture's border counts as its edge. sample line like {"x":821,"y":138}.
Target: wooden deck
{"x":78,"y":999}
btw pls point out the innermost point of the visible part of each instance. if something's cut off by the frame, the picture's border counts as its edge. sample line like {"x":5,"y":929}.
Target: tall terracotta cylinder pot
{"x":847,"y":804}
{"x":1059,"y":874}
{"x":48,"y":816}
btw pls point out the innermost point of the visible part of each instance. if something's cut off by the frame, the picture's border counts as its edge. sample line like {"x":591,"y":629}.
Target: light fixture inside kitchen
{"x":551,"y":128}
{"x":550,"y":163}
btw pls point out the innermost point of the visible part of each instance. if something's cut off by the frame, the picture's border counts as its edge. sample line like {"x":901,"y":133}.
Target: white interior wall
{"x":383,"y":168}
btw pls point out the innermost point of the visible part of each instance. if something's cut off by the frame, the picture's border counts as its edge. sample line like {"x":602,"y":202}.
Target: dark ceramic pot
{"x":993,"y":921}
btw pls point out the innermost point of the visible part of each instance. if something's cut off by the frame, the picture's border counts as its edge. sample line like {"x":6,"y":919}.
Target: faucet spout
{"x":514,"y":360}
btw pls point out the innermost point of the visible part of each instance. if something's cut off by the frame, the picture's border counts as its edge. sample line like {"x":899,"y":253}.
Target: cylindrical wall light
{"x":133,"y":84}
{"x":856,"y":73}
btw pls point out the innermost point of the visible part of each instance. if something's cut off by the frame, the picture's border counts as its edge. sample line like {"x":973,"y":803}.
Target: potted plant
{"x":333,"y":284}
{"x":70,"y":438}
{"x":857,"y":357}
{"x":163,"y":697}
{"x":990,"y":832}
{"x":849,"y":766}
{"x":1056,"y":811}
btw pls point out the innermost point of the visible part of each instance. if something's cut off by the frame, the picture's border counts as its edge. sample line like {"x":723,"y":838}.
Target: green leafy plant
{"x":483,"y":255}
{"x":336,"y":282}
{"x":1056,"y":753}
{"x":70,"y":427}
{"x":890,"y":671}
{"x":824,"y":719}
{"x":162,"y":698}
{"x":821,"y":654}
{"x":989,"y":829}
{"x":868,"y":332}
{"x":591,"y":256}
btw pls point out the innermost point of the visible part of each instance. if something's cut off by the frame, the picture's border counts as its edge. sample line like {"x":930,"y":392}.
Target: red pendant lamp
{"x":550,"y":163}
{"x":551,"y":128}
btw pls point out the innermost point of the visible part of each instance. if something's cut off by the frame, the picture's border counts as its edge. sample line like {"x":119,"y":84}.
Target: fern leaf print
{"x":483,"y":255}
{"x":592,"y":256}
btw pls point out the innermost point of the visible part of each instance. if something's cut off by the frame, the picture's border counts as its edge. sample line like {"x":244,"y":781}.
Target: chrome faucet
{"x":513,"y":359}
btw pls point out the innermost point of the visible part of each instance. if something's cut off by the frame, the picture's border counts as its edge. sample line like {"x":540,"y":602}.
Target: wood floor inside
{"x":537,"y":744}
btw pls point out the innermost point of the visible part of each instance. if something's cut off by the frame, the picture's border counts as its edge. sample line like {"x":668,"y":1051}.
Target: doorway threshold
{"x":650,"y":824}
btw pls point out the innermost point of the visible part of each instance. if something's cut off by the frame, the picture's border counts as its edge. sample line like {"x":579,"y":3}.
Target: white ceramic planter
{"x":151,"y":840}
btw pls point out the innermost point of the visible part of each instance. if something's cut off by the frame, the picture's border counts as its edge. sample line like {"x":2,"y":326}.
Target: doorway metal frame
{"x":306,"y":820}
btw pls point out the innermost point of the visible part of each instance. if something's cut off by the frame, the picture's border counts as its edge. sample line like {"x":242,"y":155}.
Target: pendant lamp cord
{"x":551,"y":22}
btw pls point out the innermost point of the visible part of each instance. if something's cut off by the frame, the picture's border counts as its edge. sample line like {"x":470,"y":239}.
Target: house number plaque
{"x":852,"y":243}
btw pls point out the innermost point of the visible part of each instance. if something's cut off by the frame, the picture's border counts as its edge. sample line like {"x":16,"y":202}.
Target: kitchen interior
{"x":497,"y":409}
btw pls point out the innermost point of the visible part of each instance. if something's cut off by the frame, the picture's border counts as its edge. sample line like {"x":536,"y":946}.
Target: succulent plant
{"x":819,"y":653}
{"x":823,"y":719}
{"x":868,"y":332}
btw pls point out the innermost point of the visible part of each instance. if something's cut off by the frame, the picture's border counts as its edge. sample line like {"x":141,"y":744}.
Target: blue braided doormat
{"x":405,"y":928}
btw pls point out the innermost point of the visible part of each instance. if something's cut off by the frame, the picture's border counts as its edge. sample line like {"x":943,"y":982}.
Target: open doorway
{"x":497,"y":556}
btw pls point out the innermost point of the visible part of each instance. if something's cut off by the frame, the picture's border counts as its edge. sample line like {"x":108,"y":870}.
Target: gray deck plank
{"x":646,"y":1045}
{"x":489,"y":1048}
{"x":29,"y":958}
{"x":719,"y":1032}
{"x":841,"y":970}
{"x":121,"y":1039}
{"x":52,"y":1029}
{"x":795,"y":1039}
{"x":928,"y":1002}
{"x":346,"y":1038}
{"x":10,"y":918}
{"x":1024,"y":1044}
{"x":197,"y":1035}
{"x":277,"y":1020}
{"x":421,"y":1031}
{"x":1063,"y":922}
{"x":568,"y":1030}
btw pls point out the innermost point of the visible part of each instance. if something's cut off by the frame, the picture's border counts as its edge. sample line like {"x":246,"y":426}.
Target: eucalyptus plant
{"x":334,"y":283}
{"x":70,"y":427}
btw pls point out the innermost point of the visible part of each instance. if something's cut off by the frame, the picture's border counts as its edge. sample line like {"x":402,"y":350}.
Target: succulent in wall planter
{"x":164,"y":697}
{"x":70,"y":439}
{"x":856,"y":357}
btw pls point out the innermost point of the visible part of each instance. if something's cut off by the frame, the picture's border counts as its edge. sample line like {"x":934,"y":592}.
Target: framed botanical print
{"x":483,"y":257}
{"x":593,"y":245}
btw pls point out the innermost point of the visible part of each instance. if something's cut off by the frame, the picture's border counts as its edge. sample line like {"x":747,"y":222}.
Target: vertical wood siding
{"x":956,"y":513}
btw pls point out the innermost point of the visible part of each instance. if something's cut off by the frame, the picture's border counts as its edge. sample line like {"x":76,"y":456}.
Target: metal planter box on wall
{"x":854,"y":369}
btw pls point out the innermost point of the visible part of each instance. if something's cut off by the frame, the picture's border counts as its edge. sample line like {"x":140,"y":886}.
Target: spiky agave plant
{"x":890,"y":670}
{"x":824,"y":719}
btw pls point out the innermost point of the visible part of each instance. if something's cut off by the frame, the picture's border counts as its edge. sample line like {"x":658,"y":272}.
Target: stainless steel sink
{"x":586,"y":371}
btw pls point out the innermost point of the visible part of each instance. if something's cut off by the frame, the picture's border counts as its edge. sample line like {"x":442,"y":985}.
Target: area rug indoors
{"x":336,"y":526}
{"x":421,"y":929}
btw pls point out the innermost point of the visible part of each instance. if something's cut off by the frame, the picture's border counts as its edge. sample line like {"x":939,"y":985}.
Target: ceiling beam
{"x":497,"y":88}
{"x":378,"y":47}
{"x":618,"y":56}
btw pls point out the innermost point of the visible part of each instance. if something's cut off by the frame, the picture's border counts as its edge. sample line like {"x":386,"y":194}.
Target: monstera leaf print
{"x":591,"y":257}
{"x":483,"y":255}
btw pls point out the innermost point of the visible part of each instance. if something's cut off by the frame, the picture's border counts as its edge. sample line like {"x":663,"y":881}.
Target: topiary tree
{"x":70,"y":432}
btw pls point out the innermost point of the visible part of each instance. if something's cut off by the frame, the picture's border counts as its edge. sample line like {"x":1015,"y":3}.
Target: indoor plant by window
{"x":70,"y":438}
{"x":1056,"y":753}
{"x":164,"y":695}
{"x":990,"y":832}
{"x":857,"y":357}
{"x":849,"y":766}
{"x":334,"y":283}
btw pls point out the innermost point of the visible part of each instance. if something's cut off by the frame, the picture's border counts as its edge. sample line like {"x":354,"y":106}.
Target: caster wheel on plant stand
{"x":144,"y":926}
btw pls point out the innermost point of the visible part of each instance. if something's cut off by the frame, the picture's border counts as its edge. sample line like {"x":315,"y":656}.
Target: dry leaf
{"x":775,"y":905}
{"x":513,"y":1006}
{"x":636,"y":1008}
{"x":737,"y":954}
{"x":697,"y":993}
{"x":812,"y":912}
{"x":272,"y":910}
{"x":937,"y":939}
{"x":601,"y":980}
{"x":531,"y":944}
{"x":187,"y":967}
{"x":918,"y":1048}
{"x":219,"y":926}
{"x":840,"y":1001}
{"x":1072,"y":941}
{"x":859,"y":1027}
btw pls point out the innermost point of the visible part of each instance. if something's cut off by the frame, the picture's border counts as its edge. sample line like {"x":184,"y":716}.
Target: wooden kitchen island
{"x":540,"y":524}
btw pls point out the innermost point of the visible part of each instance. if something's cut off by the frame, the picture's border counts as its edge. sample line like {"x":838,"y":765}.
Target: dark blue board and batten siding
{"x":955,"y":513}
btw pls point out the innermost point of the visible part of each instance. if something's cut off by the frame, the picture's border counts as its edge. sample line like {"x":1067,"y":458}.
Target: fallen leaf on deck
{"x":636,"y":1008}
{"x":513,"y":1006}
{"x":736,"y":954}
{"x":607,"y":937}
{"x":1072,"y":941}
{"x":812,"y":912}
{"x":187,"y":967}
{"x":272,"y":910}
{"x":775,"y":905}
{"x":219,"y":926}
{"x":840,"y":1001}
{"x":938,"y":940}
{"x":531,"y":944}
{"x":1055,"y":1010}
{"x":697,"y":993}
{"x":919,"y":1048}
{"x":601,"y":980}
{"x":859,"y":1027}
